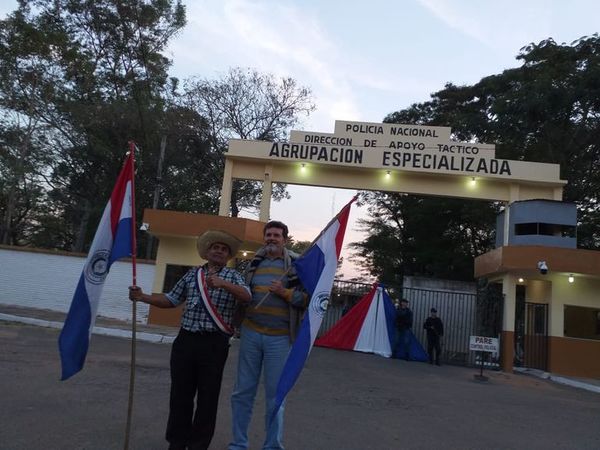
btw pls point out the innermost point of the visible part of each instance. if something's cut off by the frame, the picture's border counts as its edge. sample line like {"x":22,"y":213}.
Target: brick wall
{"x":48,"y":281}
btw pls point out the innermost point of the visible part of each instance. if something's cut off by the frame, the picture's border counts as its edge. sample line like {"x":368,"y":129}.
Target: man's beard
{"x":271,"y":248}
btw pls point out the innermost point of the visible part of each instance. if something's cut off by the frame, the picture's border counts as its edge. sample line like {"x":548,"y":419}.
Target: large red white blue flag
{"x":113,"y":240}
{"x":316,"y":270}
{"x":368,"y":327}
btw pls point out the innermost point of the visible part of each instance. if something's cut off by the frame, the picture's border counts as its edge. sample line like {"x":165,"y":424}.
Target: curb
{"x":575,"y":383}
{"x":115,"y":332}
{"x":558,"y":379}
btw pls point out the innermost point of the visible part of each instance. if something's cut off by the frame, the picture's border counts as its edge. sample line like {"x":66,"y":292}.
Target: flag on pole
{"x":113,"y":240}
{"x":316,"y":270}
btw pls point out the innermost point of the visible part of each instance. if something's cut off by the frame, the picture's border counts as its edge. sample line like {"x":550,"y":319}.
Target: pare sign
{"x":484,"y":344}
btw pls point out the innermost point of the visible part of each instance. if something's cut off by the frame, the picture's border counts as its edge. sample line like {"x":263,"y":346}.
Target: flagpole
{"x":132,"y":147}
{"x":311,"y":244}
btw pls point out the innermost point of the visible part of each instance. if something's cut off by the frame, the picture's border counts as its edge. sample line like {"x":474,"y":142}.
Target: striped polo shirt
{"x":272,"y":317}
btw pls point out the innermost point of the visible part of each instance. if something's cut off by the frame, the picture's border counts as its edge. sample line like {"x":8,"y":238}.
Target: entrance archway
{"x":410,"y":159}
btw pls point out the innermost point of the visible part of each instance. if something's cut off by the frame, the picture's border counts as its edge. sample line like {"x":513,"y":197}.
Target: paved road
{"x":343,"y":400}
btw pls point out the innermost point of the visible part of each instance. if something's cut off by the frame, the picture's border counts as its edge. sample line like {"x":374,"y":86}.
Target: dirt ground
{"x":343,"y":400}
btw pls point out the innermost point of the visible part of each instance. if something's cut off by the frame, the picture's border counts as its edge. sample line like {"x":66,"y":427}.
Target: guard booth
{"x":552,"y":289}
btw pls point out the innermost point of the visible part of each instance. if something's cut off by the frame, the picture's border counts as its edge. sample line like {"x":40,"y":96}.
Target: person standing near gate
{"x":435,"y":330}
{"x":404,"y":322}
{"x":199,"y":352}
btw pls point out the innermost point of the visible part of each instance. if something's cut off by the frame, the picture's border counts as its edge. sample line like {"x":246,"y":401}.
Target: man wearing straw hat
{"x":269,"y":327}
{"x":200,"y":349}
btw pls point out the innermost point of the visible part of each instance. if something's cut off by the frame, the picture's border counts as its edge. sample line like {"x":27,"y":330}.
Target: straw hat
{"x":209,"y":237}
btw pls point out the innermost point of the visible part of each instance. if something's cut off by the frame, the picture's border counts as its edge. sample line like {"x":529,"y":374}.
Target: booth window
{"x":544,"y":229}
{"x":172,"y":275}
{"x":526,"y":229}
{"x":581,"y":322}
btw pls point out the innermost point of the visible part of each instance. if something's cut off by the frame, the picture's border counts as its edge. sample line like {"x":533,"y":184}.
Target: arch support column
{"x":267,"y":191}
{"x":225,"y":204}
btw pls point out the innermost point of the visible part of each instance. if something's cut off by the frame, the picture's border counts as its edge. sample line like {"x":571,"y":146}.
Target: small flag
{"x":316,"y":270}
{"x":113,"y":240}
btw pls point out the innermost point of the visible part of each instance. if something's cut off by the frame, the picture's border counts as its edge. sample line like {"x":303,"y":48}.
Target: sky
{"x":364,"y":60}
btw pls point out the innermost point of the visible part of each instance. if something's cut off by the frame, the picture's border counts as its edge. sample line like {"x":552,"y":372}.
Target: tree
{"x":298,"y":246}
{"x":92,"y":76}
{"x":246,"y":104}
{"x":402,"y":239}
{"x":21,"y":160}
{"x":79,"y":79}
{"x":547,"y":110}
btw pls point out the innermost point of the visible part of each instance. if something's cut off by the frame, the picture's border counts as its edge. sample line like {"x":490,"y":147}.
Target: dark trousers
{"x":402,"y":344}
{"x":433,"y":344}
{"x":197,"y":362}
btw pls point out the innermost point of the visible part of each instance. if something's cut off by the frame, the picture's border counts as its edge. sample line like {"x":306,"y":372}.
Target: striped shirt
{"x":272,"y":317}
{"x":195,"y":317}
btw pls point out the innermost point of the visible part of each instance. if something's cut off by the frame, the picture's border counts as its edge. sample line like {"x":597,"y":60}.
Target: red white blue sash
{"x":208,"y":304}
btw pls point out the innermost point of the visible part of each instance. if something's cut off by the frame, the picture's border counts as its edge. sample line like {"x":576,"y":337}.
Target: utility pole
{"x":157,"y":189}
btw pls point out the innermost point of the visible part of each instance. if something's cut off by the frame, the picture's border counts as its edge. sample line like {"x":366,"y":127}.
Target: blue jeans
{"x":256,"y":350}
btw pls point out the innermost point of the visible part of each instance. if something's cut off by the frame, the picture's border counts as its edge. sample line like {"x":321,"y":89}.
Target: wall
{"x":574,"y":357}
{"x":553,"y":212}
{"x":48,"y":280}
{"x":436,"y":284}
{"x":179,"y":251}
{"x":585,"y":291}
{"x":538,"y":291}
{"x":537,"y":211}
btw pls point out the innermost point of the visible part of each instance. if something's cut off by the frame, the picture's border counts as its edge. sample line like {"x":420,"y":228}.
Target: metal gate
{"x":531,"y":335}
{"x":463,"y":314}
